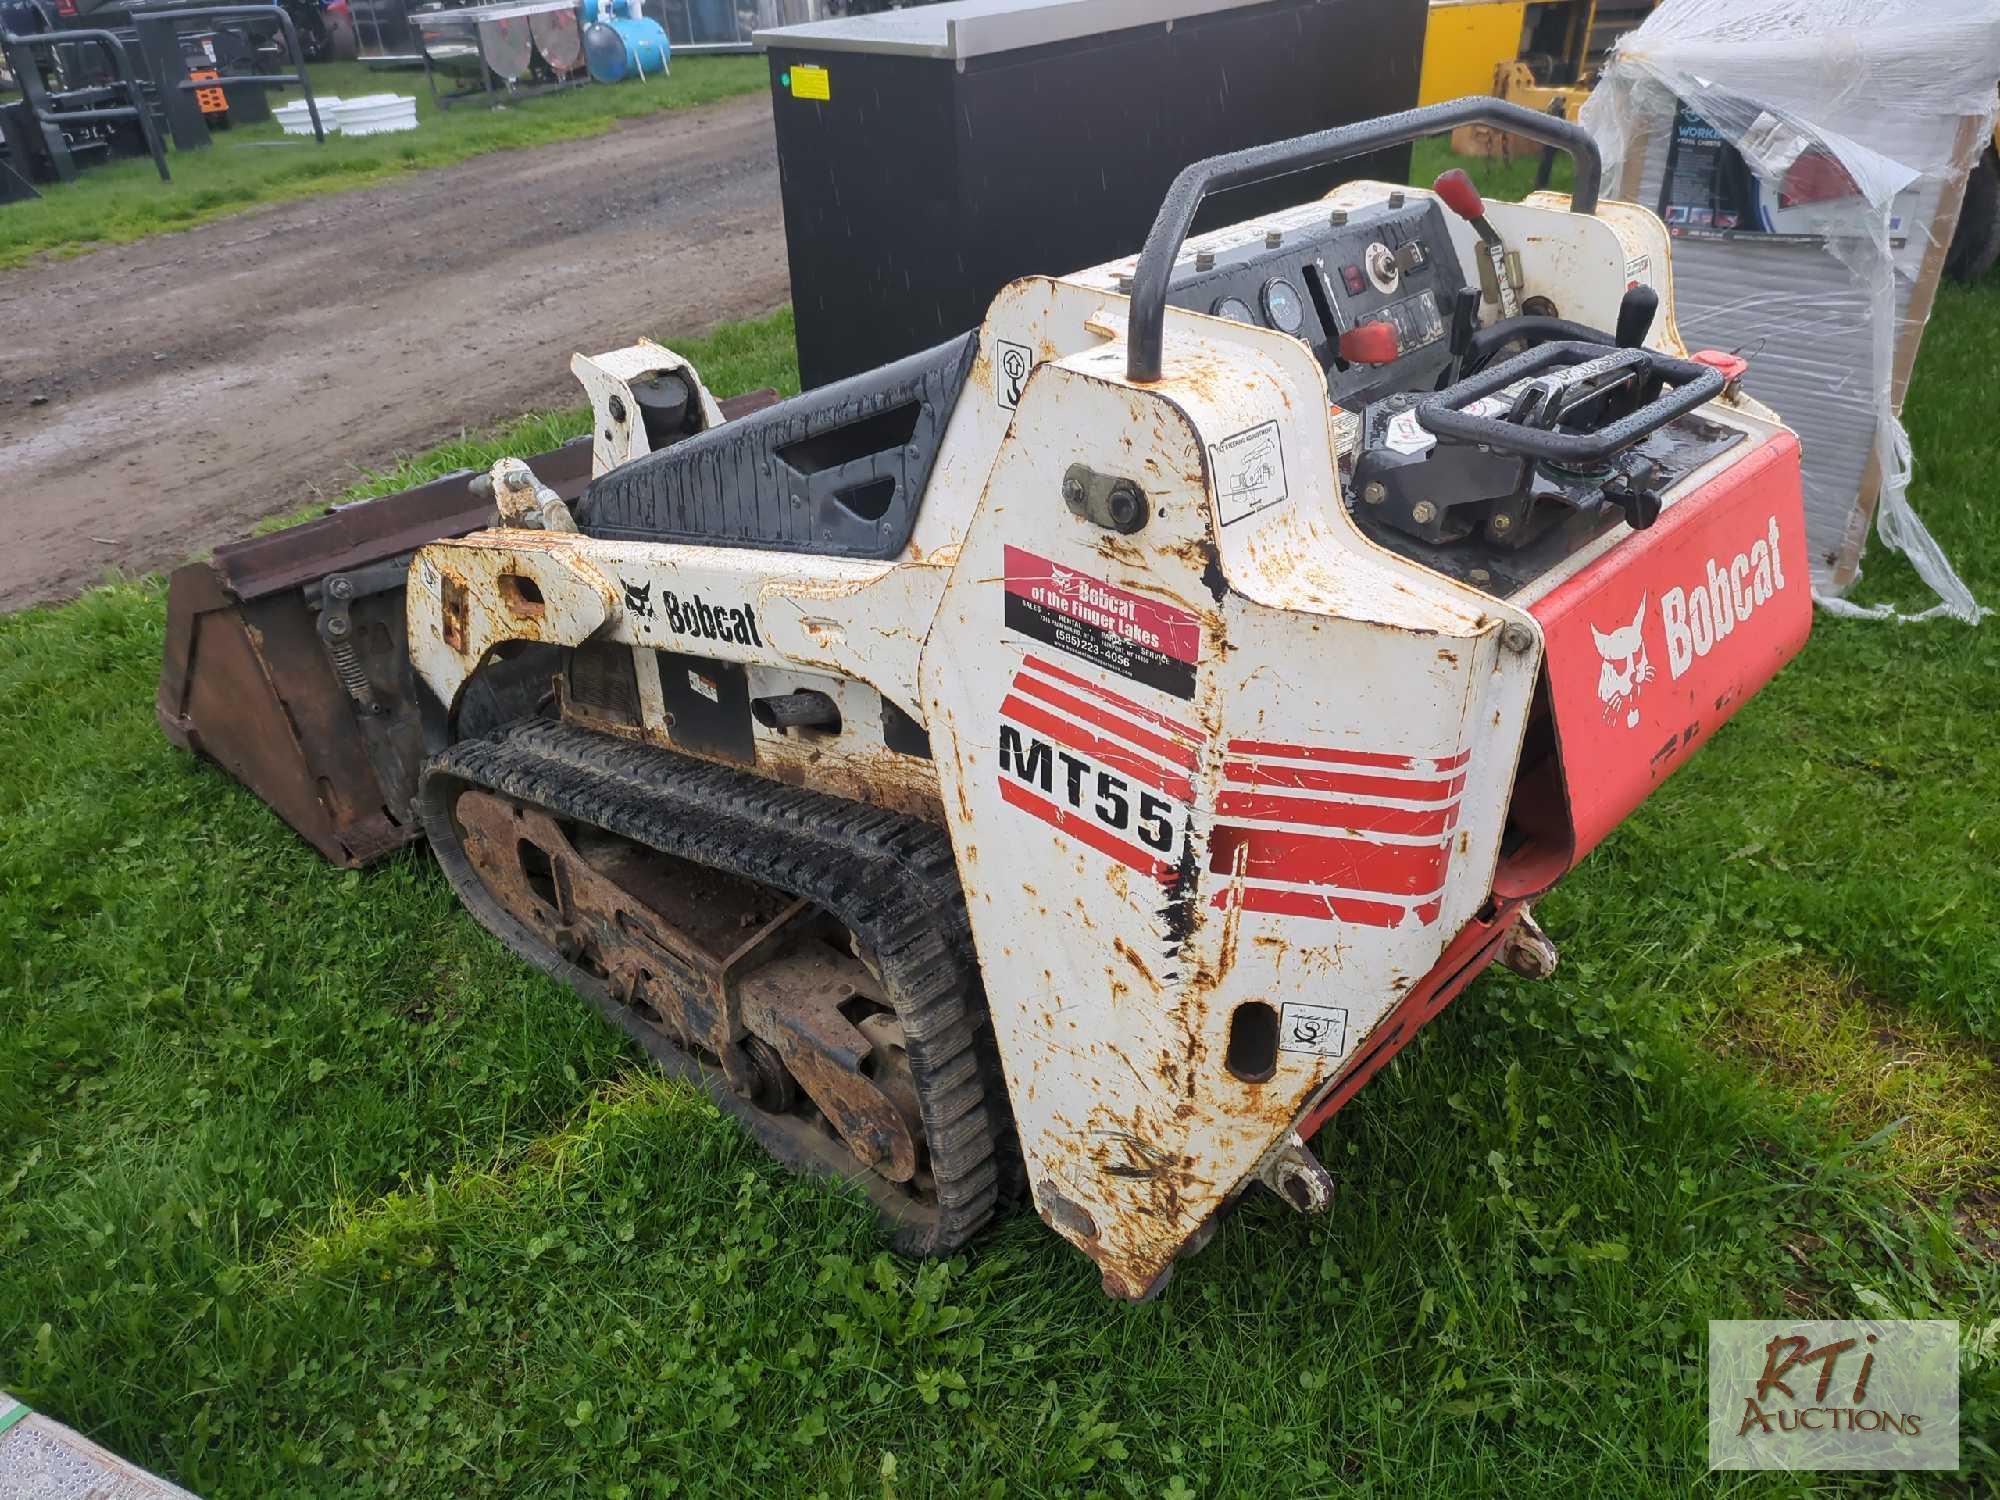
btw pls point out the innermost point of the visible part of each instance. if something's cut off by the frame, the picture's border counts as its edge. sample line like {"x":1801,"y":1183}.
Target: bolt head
{"x":1373,"y":492}
{"x":1503,"y":523}
{"x":1517,"y":638}
{"x":1128,"y":508}
{"x":1204,"y":260}
{"x":1072,"y":490}
{"x":1273,"y":238}
{"x":338,"y":626}
{"x":340,"y":588}
{"x":1337,"y":218}
{"x":1423,"y":513}
{"x":617,"y":408}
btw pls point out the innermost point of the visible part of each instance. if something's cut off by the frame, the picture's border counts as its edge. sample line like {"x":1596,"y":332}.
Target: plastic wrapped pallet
{"x":1809,"y":158}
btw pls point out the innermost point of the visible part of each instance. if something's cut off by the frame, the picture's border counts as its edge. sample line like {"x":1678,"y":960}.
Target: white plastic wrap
{"x":1822,"y":274}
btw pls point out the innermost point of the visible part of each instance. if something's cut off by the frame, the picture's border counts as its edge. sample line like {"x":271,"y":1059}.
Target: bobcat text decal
{"x":1696,"y":618}
{"x":1701,"y":616}
{"x":695,"y":616}
{"x":1099,"y":768}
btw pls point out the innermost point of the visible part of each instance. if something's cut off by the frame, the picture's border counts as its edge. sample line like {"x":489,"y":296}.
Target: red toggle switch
{"x":1459,"y":195}
{"x":1370,"y":344}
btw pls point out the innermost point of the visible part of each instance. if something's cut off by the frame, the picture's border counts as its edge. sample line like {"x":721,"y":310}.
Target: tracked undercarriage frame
{"x":805,"y":960}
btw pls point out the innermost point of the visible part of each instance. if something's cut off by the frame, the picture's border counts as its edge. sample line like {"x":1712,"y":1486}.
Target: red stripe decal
{"x":1359,"y":816}
{"x":1083,"y":830}
{"x":1305,"y":778}
{"x":1077,"y":738}
{"x":1116,"y":700}
{"x":1323,"y":908}
{"x":1315,"y":859}
{"x":1168,"y":750}
{"x":1348,"y":757}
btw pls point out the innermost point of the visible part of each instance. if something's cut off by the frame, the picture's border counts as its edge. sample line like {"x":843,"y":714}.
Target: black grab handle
{"x":1685,"y":386}
{"x":1147,"y":329}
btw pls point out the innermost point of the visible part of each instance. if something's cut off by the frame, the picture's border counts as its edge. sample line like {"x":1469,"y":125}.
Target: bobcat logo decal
{"x":639,"y":599}
{"x":1626,"y":669}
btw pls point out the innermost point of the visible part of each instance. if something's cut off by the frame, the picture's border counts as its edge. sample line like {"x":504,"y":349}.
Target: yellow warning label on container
{"x":810,"y":82}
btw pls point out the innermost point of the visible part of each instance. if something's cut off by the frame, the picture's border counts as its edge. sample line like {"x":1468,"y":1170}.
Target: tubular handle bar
{"x":1147,"y":329}
{"x":1692,"y":385}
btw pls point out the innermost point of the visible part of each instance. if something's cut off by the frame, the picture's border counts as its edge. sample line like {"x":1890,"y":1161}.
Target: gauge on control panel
{"x":1235,"y":309}
{"x":1283,"y":306}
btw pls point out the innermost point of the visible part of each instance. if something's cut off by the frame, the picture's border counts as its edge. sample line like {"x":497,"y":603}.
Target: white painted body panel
{"x":1114,"y":990}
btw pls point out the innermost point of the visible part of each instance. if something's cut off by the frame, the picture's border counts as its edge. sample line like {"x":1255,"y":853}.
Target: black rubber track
{"x":891,"y":879}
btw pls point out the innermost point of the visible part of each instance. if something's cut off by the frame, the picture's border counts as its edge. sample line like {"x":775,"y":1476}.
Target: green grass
{"x":308,"y":1188}
{"x":124,"y":201}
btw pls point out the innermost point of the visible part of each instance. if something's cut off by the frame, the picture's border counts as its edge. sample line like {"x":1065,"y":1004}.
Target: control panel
{"x":1369,"y":288}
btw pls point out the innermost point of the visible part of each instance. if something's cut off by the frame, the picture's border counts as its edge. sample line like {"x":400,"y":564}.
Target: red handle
{"x":1459,"y":195}
{"x":1370,"y":344}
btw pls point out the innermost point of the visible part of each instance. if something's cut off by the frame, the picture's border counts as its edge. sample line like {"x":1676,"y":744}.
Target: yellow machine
{"x":1468,"y":42}
{"x":1542,"y":54}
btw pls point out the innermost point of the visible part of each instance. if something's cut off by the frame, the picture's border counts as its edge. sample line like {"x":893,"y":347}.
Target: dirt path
{"x":196,"y":383}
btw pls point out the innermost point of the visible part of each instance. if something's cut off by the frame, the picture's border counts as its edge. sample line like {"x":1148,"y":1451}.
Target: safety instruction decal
{"x":1141,"y":639}
{"x":1012,"y":362}
{"x":1320,"y":1030}
{"x":1249,"y":472}
{"x":809,"y":81}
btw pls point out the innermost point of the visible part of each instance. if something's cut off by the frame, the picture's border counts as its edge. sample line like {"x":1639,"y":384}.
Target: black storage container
{"x":929,"y":156}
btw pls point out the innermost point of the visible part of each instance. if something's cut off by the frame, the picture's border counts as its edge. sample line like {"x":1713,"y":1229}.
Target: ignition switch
{"x":1382,"y":268}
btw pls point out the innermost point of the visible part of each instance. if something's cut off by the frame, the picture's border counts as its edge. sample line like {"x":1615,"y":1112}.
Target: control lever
{"x":1456,"y":192}
{"x":1464,"y":324}
{"x":1636,"y":311}
{"x":1462,"y":198}
{"x":1635,"y":494}
{"x":1370,"y":344}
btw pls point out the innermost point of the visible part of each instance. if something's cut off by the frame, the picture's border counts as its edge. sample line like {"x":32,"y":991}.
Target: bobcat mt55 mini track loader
{"x":1073,"y":760}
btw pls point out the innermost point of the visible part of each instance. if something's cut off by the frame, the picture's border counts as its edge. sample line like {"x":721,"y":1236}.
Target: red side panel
{"x":1653,"y":646}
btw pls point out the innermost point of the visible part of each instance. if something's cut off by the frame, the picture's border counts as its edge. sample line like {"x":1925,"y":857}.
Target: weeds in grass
{"x":1865,"y":1066}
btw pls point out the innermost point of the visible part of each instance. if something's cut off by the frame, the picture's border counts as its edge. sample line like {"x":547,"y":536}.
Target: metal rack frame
{"x":41,"y":103}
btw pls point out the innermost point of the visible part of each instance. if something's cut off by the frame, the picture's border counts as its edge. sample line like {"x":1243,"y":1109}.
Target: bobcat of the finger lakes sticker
{"x":1140,"y":639}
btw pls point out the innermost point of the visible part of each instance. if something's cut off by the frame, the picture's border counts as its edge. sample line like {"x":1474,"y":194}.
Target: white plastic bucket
{"x":378,"y":114}
{"x":296,"y":120}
